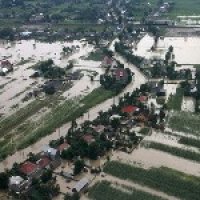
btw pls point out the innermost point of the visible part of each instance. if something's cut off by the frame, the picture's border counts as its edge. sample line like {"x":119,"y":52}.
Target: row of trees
{"x":126,"y":53}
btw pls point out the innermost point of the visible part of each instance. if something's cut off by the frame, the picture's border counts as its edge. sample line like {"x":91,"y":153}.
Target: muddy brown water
{"x":20,"y":156}
{"x":33,"y":51}
{"x":186,"y":49}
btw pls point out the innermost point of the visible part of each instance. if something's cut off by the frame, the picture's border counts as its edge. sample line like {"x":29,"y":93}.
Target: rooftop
{"x":62,"y":147}
{"x":28,"y":167}
{"x":81,"y":184}
{"x":43,"y":162}
{"x":15,"y":180}
{"x":129,"y":109}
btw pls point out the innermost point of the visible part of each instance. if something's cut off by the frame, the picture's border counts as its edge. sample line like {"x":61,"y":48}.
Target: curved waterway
{"x":20,"y":156}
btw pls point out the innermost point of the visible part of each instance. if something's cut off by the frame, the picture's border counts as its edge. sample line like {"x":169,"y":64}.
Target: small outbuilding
{"x":82,"y":184}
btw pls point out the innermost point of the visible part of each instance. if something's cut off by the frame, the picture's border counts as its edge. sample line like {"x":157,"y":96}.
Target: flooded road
{"x":186,"y":49}
{"x":93,"y":113}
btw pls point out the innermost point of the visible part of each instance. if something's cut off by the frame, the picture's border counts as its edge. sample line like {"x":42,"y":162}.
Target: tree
{"x":67,"y":197}
{"x":67,"y":154}
{"x":49,"y":90}
{"x":4,"y":178}
{"x":74,"y":125}
{"x":32,"y":157}
{"x":46,"y":176}
{"x":93,"y":151}
{"x":78,"y":166}
{"x":115,"y":123}
{"x":57,"y":17}
{"x":7,"y":33}
{"x":74,"y":196}
{"x":171,"y":49}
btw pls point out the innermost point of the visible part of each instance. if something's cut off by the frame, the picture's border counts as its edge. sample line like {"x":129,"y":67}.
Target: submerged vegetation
{"x":175,"y":101}
{"x":30,"y":132}
{"x":183,"y":153}
{"x":185,"y":122}
{"x":96,"y":55}
{"x":164,"y":179}
{"x":105,"y":190}
{"x":190,"y":142}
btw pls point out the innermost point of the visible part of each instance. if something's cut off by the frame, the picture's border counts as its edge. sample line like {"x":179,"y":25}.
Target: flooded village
{"x":112,"y":114}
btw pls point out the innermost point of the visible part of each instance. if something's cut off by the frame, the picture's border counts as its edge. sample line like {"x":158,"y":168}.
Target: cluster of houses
{"x":120,"y":130}
{"x":33,"y":168}
{"x":120,"y":75}
{"x":155,"y":18}
{"x":5,"y":67}
{"x":37,"y":18}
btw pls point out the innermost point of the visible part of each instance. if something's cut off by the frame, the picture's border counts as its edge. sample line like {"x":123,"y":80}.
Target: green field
{"x":190,"y":142}
{"x":97,"y":55}
{"x":170,"y":181}
{"x":175,"y":101}
{"x":187,"y":154}
{"x":185,"y":7}
{"x":185,"y":122}
{"x":27,"y":132}
{"x":104,"y":191}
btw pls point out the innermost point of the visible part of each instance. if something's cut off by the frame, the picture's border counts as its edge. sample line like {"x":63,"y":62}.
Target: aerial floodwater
{"x":99,"y":100}
{"x":186,"y":49}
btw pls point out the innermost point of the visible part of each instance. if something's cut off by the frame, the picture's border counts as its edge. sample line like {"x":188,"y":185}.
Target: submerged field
{"x":185,"y":122}
{"x":106,"y":191}
{"x":184,"y":7}
{"x":163,"y":179}
{"x":18,"y":131}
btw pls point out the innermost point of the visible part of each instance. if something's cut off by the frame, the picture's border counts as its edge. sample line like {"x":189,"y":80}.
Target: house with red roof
{"x":107,"y":61}
{"x":130,"y":109}
{"x":44,"y":162}
{"x":120,"y":75}
{"x":31,"y":169}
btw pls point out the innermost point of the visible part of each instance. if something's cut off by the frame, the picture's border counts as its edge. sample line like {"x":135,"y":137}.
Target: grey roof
{"x":15,"y":180}
{"x":51,"y":151}
{"x":81,"y":184}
